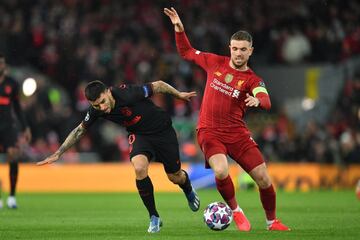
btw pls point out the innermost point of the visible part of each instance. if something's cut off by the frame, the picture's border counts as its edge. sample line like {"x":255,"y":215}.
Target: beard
{"x":238,"y":66}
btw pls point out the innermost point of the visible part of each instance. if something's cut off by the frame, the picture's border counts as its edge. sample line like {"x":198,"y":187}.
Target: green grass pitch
{"x":313,"y":215}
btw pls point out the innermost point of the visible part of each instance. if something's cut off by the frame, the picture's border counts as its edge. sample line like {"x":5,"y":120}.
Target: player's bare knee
{"x":263,"y":181}
{"x":220,"y":172}
{"x":141,"y":171}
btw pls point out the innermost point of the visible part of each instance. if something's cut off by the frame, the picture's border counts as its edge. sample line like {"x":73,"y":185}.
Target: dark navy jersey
{"x":9,"y":103}
{"x":133,"y":110}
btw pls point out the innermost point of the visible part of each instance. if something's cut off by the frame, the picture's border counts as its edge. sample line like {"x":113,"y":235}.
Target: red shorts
{"x":245,"y":152}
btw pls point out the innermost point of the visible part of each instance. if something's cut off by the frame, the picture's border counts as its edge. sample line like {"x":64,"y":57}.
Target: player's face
{"x":103,"y":103}
{"x":240,"y":51}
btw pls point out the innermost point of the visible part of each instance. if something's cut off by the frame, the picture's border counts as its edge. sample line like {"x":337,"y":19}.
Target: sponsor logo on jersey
{"x":235,"y":94}
{"x":217,"y":73}
{"x":197,"y":52}
{"x":228,"y":78}
{"x":133,"y":121}
{"x":239,"y":84}
{"x":224,"y":88}
{"x":126,"y":111}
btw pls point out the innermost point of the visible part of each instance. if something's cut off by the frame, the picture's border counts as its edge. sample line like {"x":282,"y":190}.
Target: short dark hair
{"x":94,"y":89}
{"x":242,"y":36}
{"x":2,"y":55}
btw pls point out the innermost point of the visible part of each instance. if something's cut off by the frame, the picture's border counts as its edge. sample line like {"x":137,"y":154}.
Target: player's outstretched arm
{"x":175,"y":19}
{"x":261,"y":100}
{"x":163,"y":87}
{"x":71,"y":139}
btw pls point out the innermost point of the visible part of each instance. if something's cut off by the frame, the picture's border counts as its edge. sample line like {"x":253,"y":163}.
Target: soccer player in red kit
{"x":231,"y":88}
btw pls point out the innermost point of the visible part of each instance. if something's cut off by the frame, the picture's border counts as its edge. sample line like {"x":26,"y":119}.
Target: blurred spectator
{"x":76,"y":41}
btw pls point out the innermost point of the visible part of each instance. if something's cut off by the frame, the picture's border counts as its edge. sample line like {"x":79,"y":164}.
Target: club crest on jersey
{"x":126,"y":111}
{"x":239,"y":84}
{"x":217,"y":73}
{"x":228,"y":78}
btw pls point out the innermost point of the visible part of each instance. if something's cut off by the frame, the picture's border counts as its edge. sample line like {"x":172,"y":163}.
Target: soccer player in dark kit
{"x":231,"y":88}
{"x":151,"y":136}
{"x":9,"y":132}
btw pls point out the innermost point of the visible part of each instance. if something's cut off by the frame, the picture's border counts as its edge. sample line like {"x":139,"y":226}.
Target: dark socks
{"x":14,"y":169}
{"x":146,"y":192}
{"x":186,"y":186}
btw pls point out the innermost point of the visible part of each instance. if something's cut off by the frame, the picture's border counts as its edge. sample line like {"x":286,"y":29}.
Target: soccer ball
{"x":218,"y":216}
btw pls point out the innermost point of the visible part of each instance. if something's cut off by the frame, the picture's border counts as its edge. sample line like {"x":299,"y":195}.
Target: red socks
{"x":227,"y":191}
{"x":268,"y":200}
{"x":267,"y":196}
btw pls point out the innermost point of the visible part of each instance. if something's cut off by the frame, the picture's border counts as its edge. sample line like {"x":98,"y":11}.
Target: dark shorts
{"x":245,"y":152}
{"x":8,"y":137}
{"x":161,"y":147}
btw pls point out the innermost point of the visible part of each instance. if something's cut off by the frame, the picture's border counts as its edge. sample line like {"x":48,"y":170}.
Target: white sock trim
{"x":269,"y":222}
{"x":238,"y":209}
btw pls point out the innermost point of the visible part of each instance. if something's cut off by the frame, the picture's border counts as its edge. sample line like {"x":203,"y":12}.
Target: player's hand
{"x":186,"y":95}
{"x":251,"y":101}
{"x":48,"y":160}
{"x":175,"y":19}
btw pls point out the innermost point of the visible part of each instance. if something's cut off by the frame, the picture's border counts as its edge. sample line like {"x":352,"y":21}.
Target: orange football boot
{"x":242,"y":223}
{"x":278,"y":226}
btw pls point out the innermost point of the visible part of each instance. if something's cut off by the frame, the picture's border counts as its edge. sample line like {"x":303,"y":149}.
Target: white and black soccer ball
{"x":218,"y":216}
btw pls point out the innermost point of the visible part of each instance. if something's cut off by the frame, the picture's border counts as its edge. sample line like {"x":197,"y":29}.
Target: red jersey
{"x":223,"y":106}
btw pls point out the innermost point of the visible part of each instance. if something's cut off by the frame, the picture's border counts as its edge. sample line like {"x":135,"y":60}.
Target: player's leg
{"x":225,"y":186}
{"x":182,"y":179}
{"x":215,"y":157}
{"x":146,"y":190}
{"x":12,"y":157}
{"x":140,"y":155}
{"x":167,"y":152}
{"x":266,"y":189}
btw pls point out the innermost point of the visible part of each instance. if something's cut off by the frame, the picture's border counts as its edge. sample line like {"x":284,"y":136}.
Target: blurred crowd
{"x":73,"y":42}
{"x":337,"y":140}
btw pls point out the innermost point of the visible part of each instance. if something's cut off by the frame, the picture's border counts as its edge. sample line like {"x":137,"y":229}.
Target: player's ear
{"x":251,"y":51}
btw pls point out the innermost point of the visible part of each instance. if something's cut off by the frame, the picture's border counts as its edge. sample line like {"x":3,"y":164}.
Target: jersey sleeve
{"x":90,"y":118}
{"x":186,"y":51}
{"x":130,"y":94}
{"x":258,"y":90}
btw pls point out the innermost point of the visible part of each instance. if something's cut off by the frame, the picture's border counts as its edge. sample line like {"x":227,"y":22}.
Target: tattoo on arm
{"x":163,"y":87}
{"x":71,"y":139}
